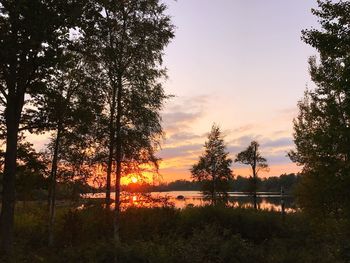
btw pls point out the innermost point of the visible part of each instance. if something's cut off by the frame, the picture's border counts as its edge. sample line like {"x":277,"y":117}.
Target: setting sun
{"x":133,"y":180}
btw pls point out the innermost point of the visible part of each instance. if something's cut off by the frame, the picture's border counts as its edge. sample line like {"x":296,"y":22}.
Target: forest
{"x":88,"y":77}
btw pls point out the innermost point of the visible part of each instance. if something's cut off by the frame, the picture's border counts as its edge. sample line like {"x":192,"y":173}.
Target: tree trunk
{"x":111,"y":149}
{"x":12,"y":116}
{"x":52,"y":192}
{"x":214,"y":201}
{"x":255,"y":197}
{"x":118,"y":162}
{"x":255,"y":179}
{"x":119,"y":140}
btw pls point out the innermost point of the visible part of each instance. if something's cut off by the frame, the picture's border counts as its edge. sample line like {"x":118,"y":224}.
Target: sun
{"x":133,"y":180}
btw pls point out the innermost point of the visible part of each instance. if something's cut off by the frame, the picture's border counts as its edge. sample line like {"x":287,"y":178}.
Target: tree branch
{"x":29,"y":127}
{"x":3,"y":101}
{"x":2,"y":90}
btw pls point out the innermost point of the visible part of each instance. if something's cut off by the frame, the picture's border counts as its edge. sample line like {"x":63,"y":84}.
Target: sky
{"x":242,"y":65}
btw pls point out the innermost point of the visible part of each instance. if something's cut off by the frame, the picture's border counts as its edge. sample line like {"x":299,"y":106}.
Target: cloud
{"x":280,"y":142}
{"x":179,"y":117}
{"x":237,"y":145}
{"x":183,"y":145}
{"x":183,"y":112}
{"x":244,"y":128}
{"x":183,"y":150}
{"x":278,"y":158}
{"x":179,"y":138}
{"x":178,"y":160}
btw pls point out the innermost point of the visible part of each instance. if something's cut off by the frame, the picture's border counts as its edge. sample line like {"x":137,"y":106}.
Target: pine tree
{"x":213,"y":168}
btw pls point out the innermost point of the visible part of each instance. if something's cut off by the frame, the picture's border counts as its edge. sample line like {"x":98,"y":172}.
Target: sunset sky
{"x":237,"y":63}
{"x":242,"y":65}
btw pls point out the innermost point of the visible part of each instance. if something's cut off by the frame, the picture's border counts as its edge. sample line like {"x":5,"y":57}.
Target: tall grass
{"x":197,"y":234}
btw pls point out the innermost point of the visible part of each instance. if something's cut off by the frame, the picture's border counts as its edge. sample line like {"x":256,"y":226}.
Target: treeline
{"x":287,"y":182}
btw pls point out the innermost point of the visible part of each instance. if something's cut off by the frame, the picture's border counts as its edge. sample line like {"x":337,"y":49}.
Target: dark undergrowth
{"x":199,"y":234}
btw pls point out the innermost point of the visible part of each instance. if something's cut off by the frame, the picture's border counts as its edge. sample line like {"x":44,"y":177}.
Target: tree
{"x":69,"y":108}
{"x":33,"y":35}
{"x":127,"y":39}
{"x":322,"y":128}
{"x":251,"y":156}
{"x":31,"y":173}
{"x":213,"y":168}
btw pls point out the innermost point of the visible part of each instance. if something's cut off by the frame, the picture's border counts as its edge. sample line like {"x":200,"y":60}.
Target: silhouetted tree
{"x":71,"y":105}
{"x":127,"y":39}
{"x":32,"y":171}
{"x":33,"y":35}
{"x":69,"y":108}
{"x":252,"y":157}
{"x":213,"y":168}
{"x":322,"y":128}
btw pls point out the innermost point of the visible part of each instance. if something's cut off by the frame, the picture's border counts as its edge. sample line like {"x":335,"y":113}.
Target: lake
{"x":182,"y":199}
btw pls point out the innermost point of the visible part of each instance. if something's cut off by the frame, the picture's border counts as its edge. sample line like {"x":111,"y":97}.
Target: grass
{"x":197,"y":234}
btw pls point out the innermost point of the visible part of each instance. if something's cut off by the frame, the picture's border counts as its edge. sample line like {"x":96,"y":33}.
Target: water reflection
{"x":182,"y":199}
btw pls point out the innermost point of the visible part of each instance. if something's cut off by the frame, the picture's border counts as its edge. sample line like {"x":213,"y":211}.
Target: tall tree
{"x":322,"y":128}
{"x":70,"y":108}
{"x":33,"y":35}
{"x":213,"y":168}
{"x":252,"y":157}
{"x":127,"y":41}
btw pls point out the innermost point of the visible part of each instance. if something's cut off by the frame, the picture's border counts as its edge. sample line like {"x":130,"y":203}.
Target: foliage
{"x":31,"y":172}
{"x":71,"y":109}
{"x":33,"y":37}
{"x":213,"y":168}
{"x":321,"y":130}
{"x":57,"y":59}
{"x":125,"y":41}
{"x":252,"y":157}
{"x":202,"y":234}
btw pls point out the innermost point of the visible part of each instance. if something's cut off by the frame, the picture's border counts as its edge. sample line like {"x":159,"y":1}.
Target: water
{"x":182,"y":199}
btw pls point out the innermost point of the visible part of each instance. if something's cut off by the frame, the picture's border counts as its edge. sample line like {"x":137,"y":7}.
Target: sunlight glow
{"x":134,"y":180}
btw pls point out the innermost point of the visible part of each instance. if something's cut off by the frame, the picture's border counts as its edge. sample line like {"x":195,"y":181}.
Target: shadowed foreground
{"x":198,"y":234}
